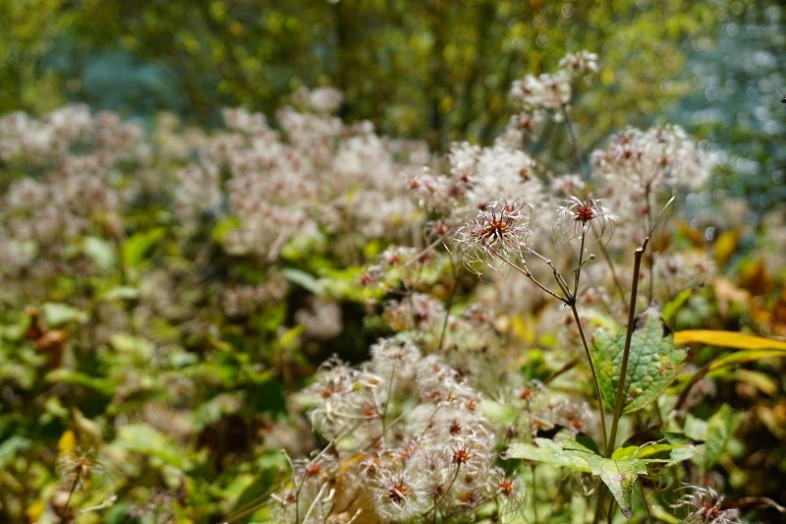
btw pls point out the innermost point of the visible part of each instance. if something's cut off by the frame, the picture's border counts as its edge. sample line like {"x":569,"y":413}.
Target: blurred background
{"x":433,"y":69}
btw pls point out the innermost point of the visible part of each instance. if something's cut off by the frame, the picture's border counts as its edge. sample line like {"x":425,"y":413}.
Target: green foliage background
{"x":436,"y":69}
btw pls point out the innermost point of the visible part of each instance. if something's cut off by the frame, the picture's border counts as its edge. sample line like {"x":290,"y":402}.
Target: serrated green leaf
{"x":652,"y":365}
{"x":619,"y":475}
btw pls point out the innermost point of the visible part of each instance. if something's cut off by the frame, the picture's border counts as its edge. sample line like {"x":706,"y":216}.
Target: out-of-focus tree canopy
{"x":436,"y":69}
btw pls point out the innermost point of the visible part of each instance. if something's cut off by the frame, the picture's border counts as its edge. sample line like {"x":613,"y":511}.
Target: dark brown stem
{"x":626,"y":350}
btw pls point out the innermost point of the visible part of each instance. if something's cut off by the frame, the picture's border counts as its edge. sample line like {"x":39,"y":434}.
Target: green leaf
{"x":120,"y":293}
{"x":101,"y":251}
{"x":11,"y":448}
{"x":499,"y":414}
{"x":139,"y":245}
{"x":141,"y":438}
{"x":125,"y":343}
{"x":720,"y":429}
{"x":619,"y":474}
{"x":56,"y":314}
{"x":653,"y":363}
{"x":75,"y":378}
{"x":304,"y":280}
{"x":674,"y":305}
{"x":224,"y":227}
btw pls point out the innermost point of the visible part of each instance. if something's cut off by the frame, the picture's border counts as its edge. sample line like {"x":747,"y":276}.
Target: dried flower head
{"x":576,"y":217}
{"x":705,"y":506}
{"x":498,"y":230}
{"x":581,"y":63}
{"x":75,"y":467}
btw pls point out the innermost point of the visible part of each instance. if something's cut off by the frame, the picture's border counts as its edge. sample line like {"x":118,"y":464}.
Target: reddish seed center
{"x":460,"y":456}
{"x":397,"y":493}
{"x":506,"y":487}
{"x":584,"y":213}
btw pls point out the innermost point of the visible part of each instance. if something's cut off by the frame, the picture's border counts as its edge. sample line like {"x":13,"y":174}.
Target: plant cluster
{"x":499,"y":335}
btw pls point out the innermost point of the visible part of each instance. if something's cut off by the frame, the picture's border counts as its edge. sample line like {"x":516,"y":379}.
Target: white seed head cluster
{"x":77,"y":185}
{"x":315,"y":176}
{"x":409,"y":435}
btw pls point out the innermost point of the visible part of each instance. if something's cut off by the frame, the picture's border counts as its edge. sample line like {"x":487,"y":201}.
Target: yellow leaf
{"x":35,"y":510}
{"x":726,"y":245}
{"x":727,"y":339}
{"x":67,"y":443}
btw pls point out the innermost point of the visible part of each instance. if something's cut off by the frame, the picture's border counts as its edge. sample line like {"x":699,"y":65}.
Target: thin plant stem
{"x":534,"y":497}
{"x":74,"y":484}
{"x":626,"y":349}
{"x":449,"y":304}
{"x":581,"y":262}
{"x":445,"y":493}
{"x":527,"y":273}
{"x":314,"y":502}
{"x":599,"y":502}
{"x":596,"y":382}
{"x":646,"y":503}
{"x":384,"y":414}
{"x":615,"y":278}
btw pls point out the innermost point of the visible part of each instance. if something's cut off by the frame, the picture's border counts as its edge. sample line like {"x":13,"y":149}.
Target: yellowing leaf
{"x":726,"y":245}
{"x":67,"y":443}
{"x":727,"y":339}
{"x":35,"y":510}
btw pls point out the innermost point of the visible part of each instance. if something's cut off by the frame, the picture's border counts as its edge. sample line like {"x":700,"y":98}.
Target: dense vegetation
{"x":460,"y":288}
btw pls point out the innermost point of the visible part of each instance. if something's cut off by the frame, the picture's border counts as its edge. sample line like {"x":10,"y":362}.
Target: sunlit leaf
{"x":727,"y":339}
{"x":618,"y":473}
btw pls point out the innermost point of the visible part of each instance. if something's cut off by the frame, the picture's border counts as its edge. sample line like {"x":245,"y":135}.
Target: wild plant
{"x":548,"y":391}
